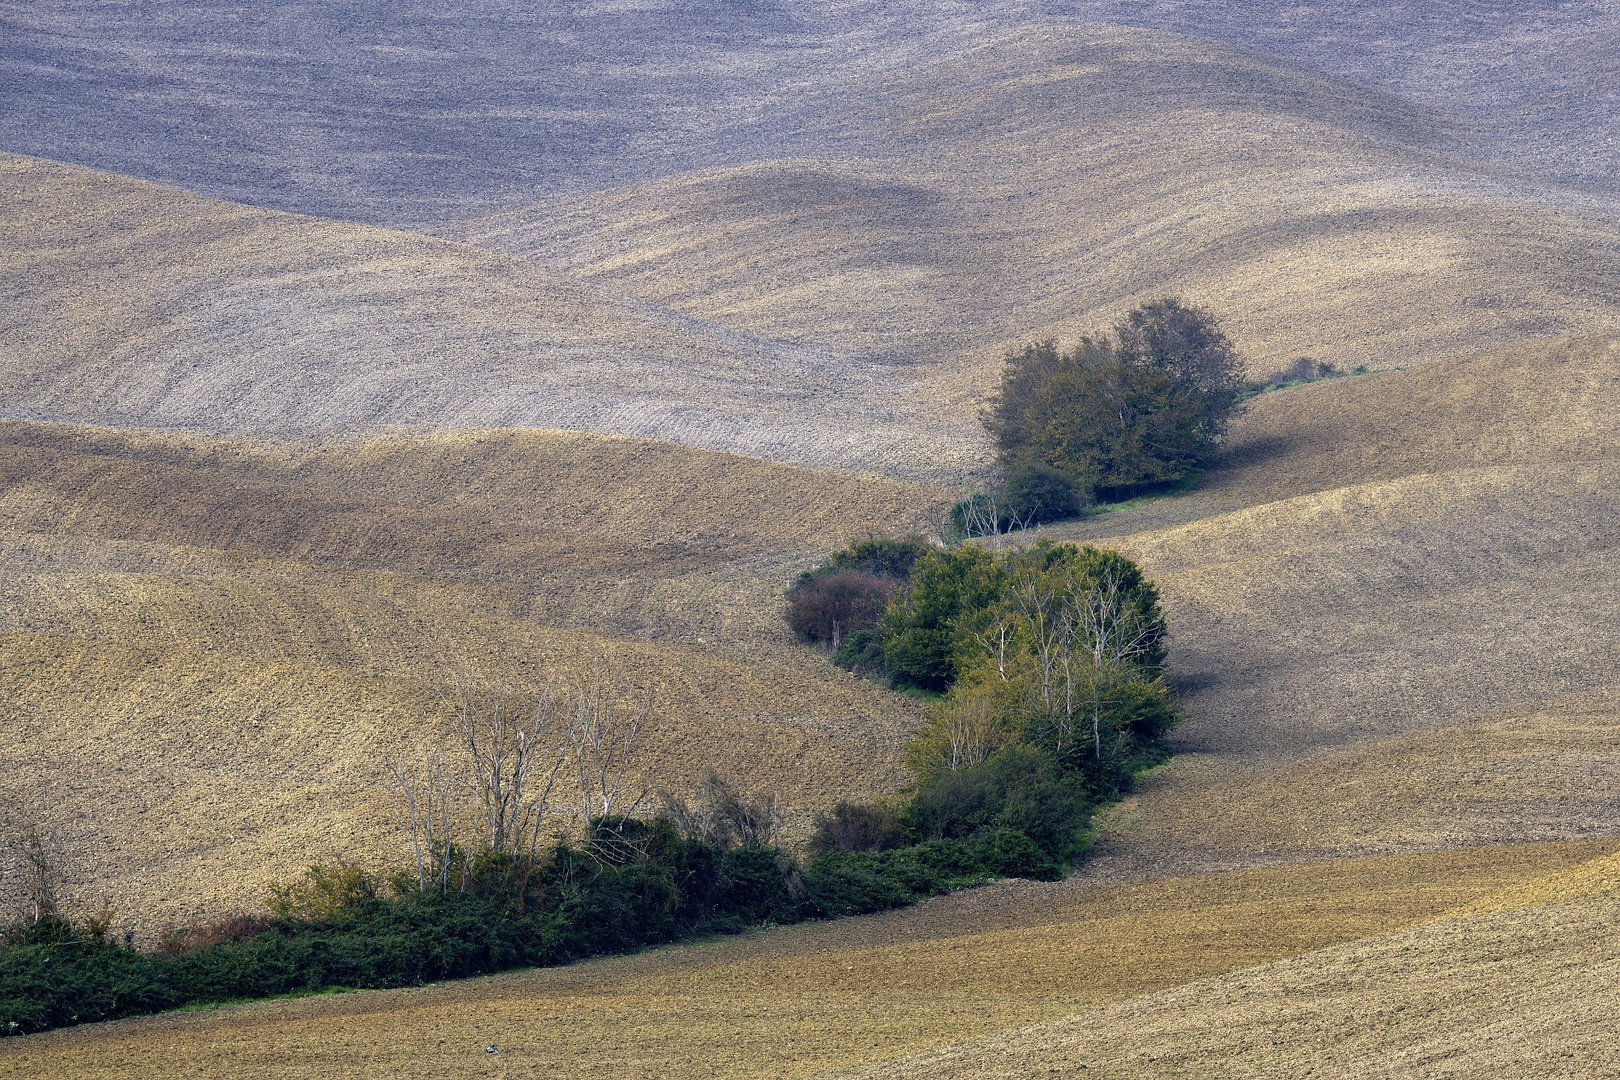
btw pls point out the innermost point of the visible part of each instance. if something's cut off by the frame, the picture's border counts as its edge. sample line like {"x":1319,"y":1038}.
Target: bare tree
{"x":970,"y":728}
{"x":516,"y":748}
{"x":1081,"y":628}
{"x":938,"y":516}
{"x":998,"y":642}
{"x":1041,"y":607}
{"x":517,"y":752}
{"x":608,"y":717}
{"x":41,"y":878}
{"x":988,"y":517}
{"x":1105,"y":621}
{"x":424,"y":808}
{"x":722,"y":815}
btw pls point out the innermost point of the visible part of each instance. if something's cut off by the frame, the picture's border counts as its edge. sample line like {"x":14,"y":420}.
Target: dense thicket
{"x":1118,"y":415}
{"x":504,"y":913}
{"x":1047,"y":661}
{"x":847,"y":595}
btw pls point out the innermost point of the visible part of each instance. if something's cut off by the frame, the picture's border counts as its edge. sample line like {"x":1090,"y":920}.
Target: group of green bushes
{"x":1044,"y":664}
{"x":341,"y":928}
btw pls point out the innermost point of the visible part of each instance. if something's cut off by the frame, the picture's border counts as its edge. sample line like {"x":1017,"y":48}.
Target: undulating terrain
{"x":349,"y":348}
{"x":211,"y":647}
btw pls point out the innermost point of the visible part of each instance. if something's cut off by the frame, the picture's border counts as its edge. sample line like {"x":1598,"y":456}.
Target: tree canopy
{"x":1119,"y":414}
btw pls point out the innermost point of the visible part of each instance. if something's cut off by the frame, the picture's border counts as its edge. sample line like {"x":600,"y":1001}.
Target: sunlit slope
{"x":1538,"y":772}
{"x":1393,"y":618}
{"x":1521,"y":993}
{"x":134,"y":304}
{"x":1043,"y":179}
{"x":1540,"y":403}
{"x":799,"y":1001}
{"x":209,"y":646}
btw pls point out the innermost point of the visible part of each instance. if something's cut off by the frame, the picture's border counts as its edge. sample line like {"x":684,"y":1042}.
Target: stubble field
{"x":268,"y":481}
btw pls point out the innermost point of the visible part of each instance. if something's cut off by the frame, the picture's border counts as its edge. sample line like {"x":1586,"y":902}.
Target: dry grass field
{"x":694,"y":294}
{"x":209,"y":646}
{"x":1521,"y":994}
{"x":802,"y":1001}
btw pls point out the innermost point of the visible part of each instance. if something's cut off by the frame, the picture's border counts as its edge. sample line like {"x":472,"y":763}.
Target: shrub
{"x":199,"y":935}
{"x":509,"y":912}
{"x":1019,"y":787}
{"x":881,"y":556}
{"x":825,"y":610}
{"x":858,"y":827}
{"x":1303,"y":369}
{"x":1037,"y":493}
{"x":322,"y":891}
{"x":862,"y":652}
{"x":919,"y":639}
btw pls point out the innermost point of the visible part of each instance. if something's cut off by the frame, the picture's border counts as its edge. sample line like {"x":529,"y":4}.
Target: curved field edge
{"x":819,"y":997}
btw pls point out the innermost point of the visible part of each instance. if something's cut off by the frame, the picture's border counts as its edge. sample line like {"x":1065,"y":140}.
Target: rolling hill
{"x":410,"y":113}
{"x":133,"y":304}
{"x":210,"y":647}
{"x":1143,"y":966}
{"x":345,"y":348}
{"x":1043,"y":180}
{"x":841,"y":303}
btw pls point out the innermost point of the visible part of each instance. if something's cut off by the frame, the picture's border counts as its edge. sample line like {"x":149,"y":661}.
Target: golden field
{"x":270,"y":481}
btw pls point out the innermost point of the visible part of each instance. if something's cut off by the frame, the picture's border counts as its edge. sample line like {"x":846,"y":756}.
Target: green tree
{"x":1117,"y":415}
{"x":920,"y":630}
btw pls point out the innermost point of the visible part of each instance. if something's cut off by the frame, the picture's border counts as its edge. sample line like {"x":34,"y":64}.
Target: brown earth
{"x":1522,"y":993}
{"x":1045,"y":179}
{"x":797,"y":1002}
{"x":208,"y":647}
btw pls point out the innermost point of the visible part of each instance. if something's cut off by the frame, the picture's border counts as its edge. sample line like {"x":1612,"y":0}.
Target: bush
{"x":1303,"y":369}
{"x":825,"y":610}
{"x":849,"y":593}
{"x":881,"y":556}
{"x":1019,"y":788}
{"x":858,"y":827}
{"x":862,"y":652}
{"x":1037,"y":493}
{"x":510,"y":913}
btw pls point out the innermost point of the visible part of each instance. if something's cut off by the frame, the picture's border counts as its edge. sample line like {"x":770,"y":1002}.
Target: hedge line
{"x":510,"y":914}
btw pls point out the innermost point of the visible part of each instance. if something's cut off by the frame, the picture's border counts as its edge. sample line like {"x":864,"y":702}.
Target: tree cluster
{"x":1122,"y":414}
{"x":1047,"y":660}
